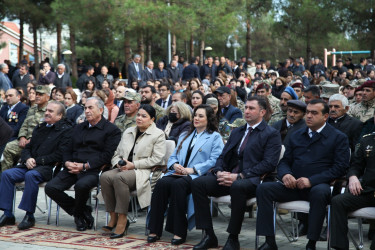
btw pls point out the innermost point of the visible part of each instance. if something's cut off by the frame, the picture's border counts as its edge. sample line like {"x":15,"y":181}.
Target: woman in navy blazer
{"x":196,"y":152}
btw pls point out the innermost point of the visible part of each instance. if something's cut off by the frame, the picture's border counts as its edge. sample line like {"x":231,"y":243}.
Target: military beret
{"x":297,"y":104}
{"x":298,"y":85}
{"x":358,"y":89}
{"x":368,"y":84}
{"x":291,"y":92}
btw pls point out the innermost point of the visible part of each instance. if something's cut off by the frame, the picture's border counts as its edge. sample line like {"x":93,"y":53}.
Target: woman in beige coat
{"x":141,"y":148}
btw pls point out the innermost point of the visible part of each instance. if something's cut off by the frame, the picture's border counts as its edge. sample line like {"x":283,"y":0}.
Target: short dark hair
{"x":89,"y":67}
{"x":315,"y":90}
{"x":325,"y":105}
{"x":165,"y":85}
{"x":149,"y":109}
{"x":193,"y":60}
{"x":261,"y":101}
{"x":152,"y":88}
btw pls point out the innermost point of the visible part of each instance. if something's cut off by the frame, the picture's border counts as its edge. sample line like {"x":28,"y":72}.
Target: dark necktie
{"x":243,"y":145}
{"x":313,"y":133}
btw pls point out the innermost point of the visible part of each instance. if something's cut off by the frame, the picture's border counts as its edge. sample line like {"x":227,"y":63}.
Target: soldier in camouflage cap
{"x":365,"y":110}
{"x":131,"y":102}
{"x":34,"y":117}
{"x":328,"y":90}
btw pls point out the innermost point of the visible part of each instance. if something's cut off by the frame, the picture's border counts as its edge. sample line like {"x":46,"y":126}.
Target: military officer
{"x":34,"y":116}
{"x":287,"y":95}
{"x":131,"y":102}
{"x":365,"y":110}
{"x":264,"y":89}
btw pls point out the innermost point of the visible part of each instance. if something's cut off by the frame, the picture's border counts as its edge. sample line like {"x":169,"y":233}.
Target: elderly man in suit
{"x":229,"y":112}
{"x":314,"y":156}
{"x":92,"y":145}
{"x":50,"y":139}
{"x":251,"y":151}
{"x":5,"y":82}
{"x":148,"y":73}
{"x":14,"y":113}
{"x":46,"y":77}
{"x":22,"y":78}
{"x":135,"y":70}
{"x":103,"y":76}
{"x":62,"y":79}
{"x":294,"y":120}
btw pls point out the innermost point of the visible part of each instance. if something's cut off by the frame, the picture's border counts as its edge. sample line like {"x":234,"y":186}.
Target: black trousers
{"x":205,"y":186}
{"x":319,"y":197}
{"x":173,"y":190}
{"x":83,"y":184}
{"x":342,"y":205}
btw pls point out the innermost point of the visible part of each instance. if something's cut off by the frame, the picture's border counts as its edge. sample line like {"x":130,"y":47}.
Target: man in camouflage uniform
{"x":287,"y":95}
{"x":365,"y":110}
{"x":148,"y":97}
{"x":35,"y":116}
{"x":299,"y":88}
{"x":131,"y":102}
{"x":264,"y":89}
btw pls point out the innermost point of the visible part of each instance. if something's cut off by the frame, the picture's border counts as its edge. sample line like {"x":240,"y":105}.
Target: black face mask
{"x":172,"y":117}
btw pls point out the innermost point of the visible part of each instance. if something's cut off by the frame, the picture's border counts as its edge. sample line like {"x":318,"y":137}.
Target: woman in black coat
{"x":176,"y":121}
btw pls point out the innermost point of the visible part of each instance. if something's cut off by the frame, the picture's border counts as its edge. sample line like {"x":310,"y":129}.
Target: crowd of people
{"x":229,"y":121}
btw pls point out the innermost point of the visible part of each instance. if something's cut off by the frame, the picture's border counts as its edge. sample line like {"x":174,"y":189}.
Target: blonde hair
{"x":183,"y":109}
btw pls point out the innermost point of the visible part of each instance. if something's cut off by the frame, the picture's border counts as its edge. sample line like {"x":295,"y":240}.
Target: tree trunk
{"x":36,"y":55}
{"x":308,"y":43}
{"x":141,"y":48}
{"x":187,"y":56}
{"x":191,"y":47}
{"x":149,"y":48}
{"x":20,"y":46}
{"x":174,"y":45}
{"x":73,"y":57}
{"x":127,"y":54}
{"x":58,"y":31}
{"x":201,"y":51}
{"x":248,"y":38}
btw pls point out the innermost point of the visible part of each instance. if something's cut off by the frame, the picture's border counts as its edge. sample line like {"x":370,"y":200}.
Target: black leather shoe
{"x":88,"y":217}
{"x":265,"y":246}
{"x":207,"y":242}
{"x":323,"y":235}
{"x":108,"y":228}
{"x":178,"y":241}
{"x":80,"y":223}
{"x":5,"y":220}
{"x":116,"y":236}
{"x":231,"y":244}
{"x":26,"y":223}
{"x":302,"y":229}
{"x":152,"y":239}
{"x":310,"y":247}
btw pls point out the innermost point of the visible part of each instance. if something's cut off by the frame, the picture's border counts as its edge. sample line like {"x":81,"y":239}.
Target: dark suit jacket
{"x":17,"y":82}
{"x":205,"y":70}
{"x":231,"y":113}
{"x":146,"y":75}
{"x":322,"y":158}
{"x":82,"y":80}
{"x":63,"y":82}
{"x":260,"y":156}
{"x":160,"y":100}
{"x":174,"y":74}
{"x":16,"y":118}
{"x":191,"y":71}
{"x":5,"y":132}
{"x":95,"y":145}
{"x":280,"y":125}
{"x":73,"y":113}
{"x":47,"y":146}
{"x":350,"y":126}
{"x":47,"y":79}
{"x":132,"y":72}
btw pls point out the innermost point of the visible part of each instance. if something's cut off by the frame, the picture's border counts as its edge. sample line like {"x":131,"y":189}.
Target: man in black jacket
{"x":191,"y":71}
{"x":92,"y":146}
{"x":62,"y":79}
{"x":50,"y":139}
{"x":22,"y":78}
{"x":251,"y":151}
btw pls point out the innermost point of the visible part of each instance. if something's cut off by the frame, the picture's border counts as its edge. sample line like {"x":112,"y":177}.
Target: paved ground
{"x":247,"y":237}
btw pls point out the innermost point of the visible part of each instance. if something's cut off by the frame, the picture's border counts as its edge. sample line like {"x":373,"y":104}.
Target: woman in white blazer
{"x":196,"y":152}
{"x":141,"y":148}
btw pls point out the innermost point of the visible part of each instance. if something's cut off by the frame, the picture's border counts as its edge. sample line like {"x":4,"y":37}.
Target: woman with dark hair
{"x":141,"y":148}
{"x":89,"y":85}
{"x":135,"y":85}
{"x":196,"y":152}
{"x":60,"y":95}
{"x":196,"y":99}
{"x":278,"y":87}
{"x":31,"y":97}
{"x":218,"y":83}
{"x":194,"y":84}
{"x":111,"y":106}
{"x":73,"y":110}
{"x":53,"y":94}
{"x":176,"y":121}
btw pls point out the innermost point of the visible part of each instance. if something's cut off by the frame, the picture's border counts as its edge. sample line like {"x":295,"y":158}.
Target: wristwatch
{"x":239,"y":177}
{"x":83,"y":168}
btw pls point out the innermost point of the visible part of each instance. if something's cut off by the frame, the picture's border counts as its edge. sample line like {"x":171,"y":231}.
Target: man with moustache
{"x":305,"y":172}
{"x":131,"y":103}
{"x":148,"y":94}
{"x":287,"y":95}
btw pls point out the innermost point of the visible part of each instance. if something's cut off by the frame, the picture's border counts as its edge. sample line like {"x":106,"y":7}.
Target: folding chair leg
{"x":329,"y":228}
{"x":14,"y":199}
{"x":57,"y":215}
{"x":49,"y":211}
{"x":360,"y":231}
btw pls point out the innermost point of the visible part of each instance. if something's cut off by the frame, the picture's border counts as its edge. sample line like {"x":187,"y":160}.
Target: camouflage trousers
{"x":11,"y":155}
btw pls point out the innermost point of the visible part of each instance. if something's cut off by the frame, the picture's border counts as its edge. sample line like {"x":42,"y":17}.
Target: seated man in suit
{"x":229,"y":112}
{"x":50,"y":139}
{"x":251,"y":151}
{"x":294,"y":120}
{"x":92,"y":146}
{"x":13,"y":114}
{"x":361,"y":193}
{"x":314,"y":156}
{"x":165,"y":96}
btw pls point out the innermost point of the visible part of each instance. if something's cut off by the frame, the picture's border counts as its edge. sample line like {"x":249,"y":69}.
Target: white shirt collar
{"x":318,"y":130}
{"x":253,"y":126}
